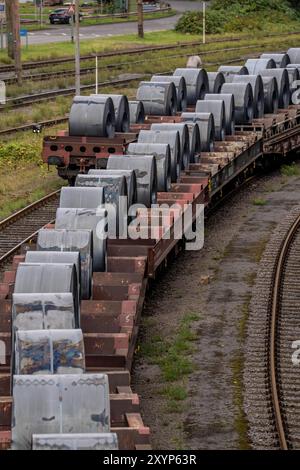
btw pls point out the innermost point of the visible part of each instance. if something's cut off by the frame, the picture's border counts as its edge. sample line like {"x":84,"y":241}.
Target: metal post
{"x":77,"y":49}
{"x":41,"y":13}
{"x":96,"y":75}
{"x":1,"y":28}
{"x":17,"y":40}
{"x":72,"y":29}
{"x":204,"y":22}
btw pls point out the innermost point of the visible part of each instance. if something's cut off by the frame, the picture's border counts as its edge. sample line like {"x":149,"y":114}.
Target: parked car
{"x":62,"y":16}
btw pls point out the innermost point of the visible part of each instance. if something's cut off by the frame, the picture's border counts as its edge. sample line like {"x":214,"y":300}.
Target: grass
{"x":259,"y":201}
{"x":290,"y":170}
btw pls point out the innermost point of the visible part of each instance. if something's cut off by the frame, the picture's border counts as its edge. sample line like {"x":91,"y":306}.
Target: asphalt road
{"x":62,"y":33}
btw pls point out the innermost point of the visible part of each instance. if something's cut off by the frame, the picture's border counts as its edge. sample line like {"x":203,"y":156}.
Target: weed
{"x":259,"y":201}
{"x":290,"y":170}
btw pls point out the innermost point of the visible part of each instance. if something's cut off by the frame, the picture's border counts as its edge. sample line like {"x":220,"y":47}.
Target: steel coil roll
{"x":196,"y":83}
{"x":71,"y":241}
{"x":43,"y":311}
{"x":229,"y":71}
{"x":136,"y":112}
{"x":115,"y":195}
{"x":49,"y":352}
{"x":130,"y":180}
{"x":162,"y":155}
{"x":122,"y":111}
{"x":270,"y":94}
{"x":158,"y":98}
{"x":195,"y":141}
{"x":256,"y":66}
{"x":294,"y":55}
{"x":282,"y":78}
{"x":215,"y":81}
{"x":281,"y":60}
{"x":206,"y":124}
{"x":243,"y":101}
{"x":258,"y":92}
{"x":87,"y":219}
{"x":184,"y":139}
{"x":172,"y":138}
{"x":100,"y":441}
{"x":294,"y":76}
{"x":180,"y":85}
{"x":228,"y":100}
{"x":83,"y":198}
{"x":217,"y":109}
{"x":51,"y":404}
{"x":92,"y":117}
{"x":146,"y":175}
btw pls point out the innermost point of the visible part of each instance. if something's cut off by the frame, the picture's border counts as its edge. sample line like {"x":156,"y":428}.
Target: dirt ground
{"x":216,"y":284}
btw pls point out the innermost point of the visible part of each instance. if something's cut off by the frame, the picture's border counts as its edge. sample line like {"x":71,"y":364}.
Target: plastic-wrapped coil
{"x":115,"y":195}
{"x":172,"y":138}
{"x":229,"y":71}
{"x":270,"y":94}
{"x":206,"y":124}
{"x":122,"y":111}
{"x":294,"y":76}
{"x":228,"y":100}
{"x":162,"y":155}
{"x":184,"y":139}
{"x":158,"y":98}
{"x":51,"y":404}
{"x":130,"y":179}
{"x":258,"y":92}
{"x":195,"y":141}
{"x":294,"y":55}
{"x":281,"y":60}
{"x":92,"y":117}
{"x":43,"y":311}
{"x":243,"y":101}
{"x":49,"y":352}
{"x":180,"y":85}
{"x":282,"y":78}
{"x":215,"y":81}
{"x":71,"y":241}
{"x":146,"y":175}
{"x":136,"y":112}
{"x":196,"y":83}
{"x":44,"y":278}
{"x":100,"y":441}
{"x":217,"y":109}
{"x":256,"y":66}
{"x":83,"y":198}
{"x":87,"y":219}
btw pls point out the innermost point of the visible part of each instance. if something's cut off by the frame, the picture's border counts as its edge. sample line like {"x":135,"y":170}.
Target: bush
{"x":192,"y":22}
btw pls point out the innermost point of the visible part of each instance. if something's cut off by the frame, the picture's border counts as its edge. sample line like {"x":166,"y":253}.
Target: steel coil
{"x":162,"y":155}
{"x":136,"y":112}
{"x":258,"y":92}
{"x":87,"y":219}
{"x":122,"y":111}
{"x":196,"y":83}
{"x":217,"y":109}
{"x":294,"y":77}
{"x":184,"y":139}
{"x":270,"y":94}
{"x":172,"y":138}
{"x":130,"y":180}
{"x":206,"y":124}
{"x":229,"y":71}
{"x":49,"y":352}
{"x":71,"y":442}
{"x":215,"y":81}
{"x":71,"y":241}
{"x":256,"y":66}
{"x":195,"y":141}
{"x":282,"y":78}
{"x":294,"y":55}
{"x":43,"y":311}
{"x":180,"y":85}
{"x":146,"y":175}
{"x":92,"y":117}
{"x":281,"y":60}
{"x":243,"y":101}
{"x":82,"y":198}
{"x":158,"y":98}
{"x":228,"y":100}
{"x":51,"y":404}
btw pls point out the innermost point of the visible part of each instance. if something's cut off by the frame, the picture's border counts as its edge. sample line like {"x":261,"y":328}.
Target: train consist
{"x":72,"y":300}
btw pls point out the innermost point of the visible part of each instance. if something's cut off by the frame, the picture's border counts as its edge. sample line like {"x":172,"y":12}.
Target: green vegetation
{"x":242,"y":15}
{"x":290,"y":170}
{"x":259,"y":201}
